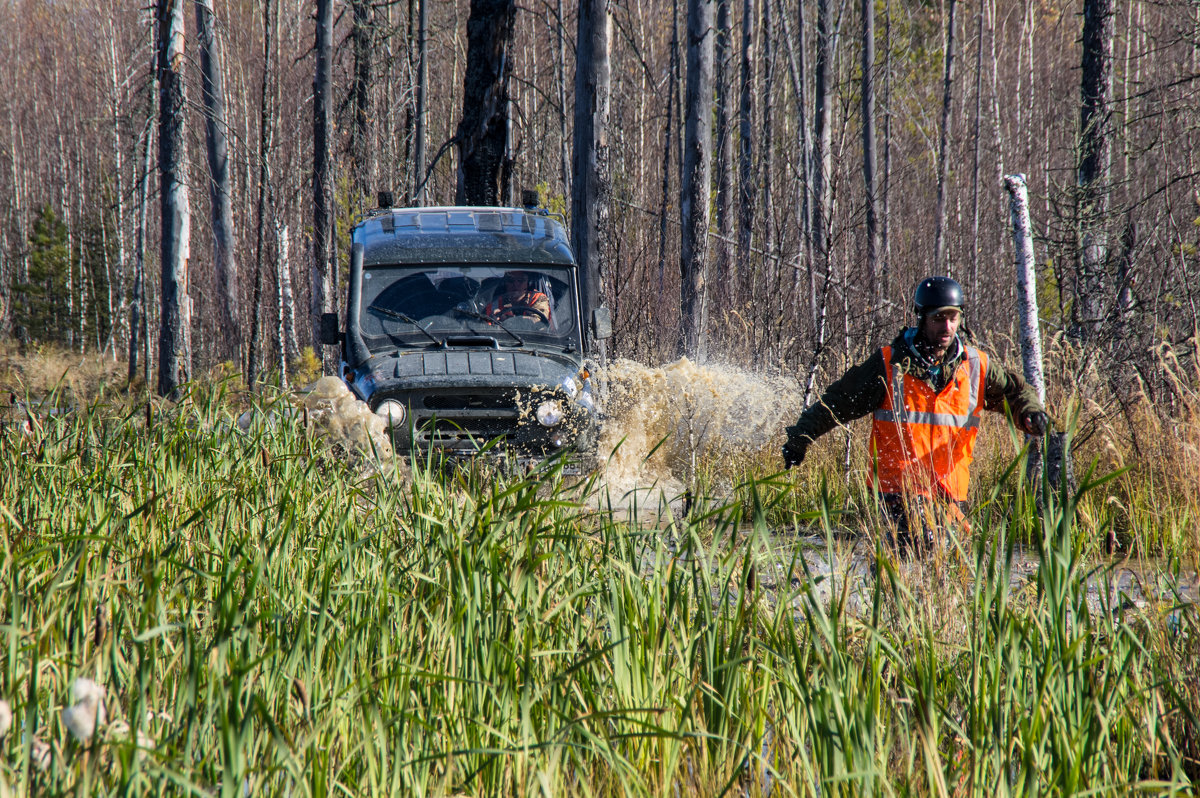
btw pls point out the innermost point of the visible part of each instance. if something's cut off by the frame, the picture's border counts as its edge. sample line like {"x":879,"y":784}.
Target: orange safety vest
{"x":507,"y":307}
{"x":923,"y":440}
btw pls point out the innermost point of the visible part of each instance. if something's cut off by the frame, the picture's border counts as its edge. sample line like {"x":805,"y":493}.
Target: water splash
{"x":689,"y":412}
{"x":343,"y":418}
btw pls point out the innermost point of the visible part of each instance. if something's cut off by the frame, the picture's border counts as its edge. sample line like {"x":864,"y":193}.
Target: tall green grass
{"x":277,"y":616}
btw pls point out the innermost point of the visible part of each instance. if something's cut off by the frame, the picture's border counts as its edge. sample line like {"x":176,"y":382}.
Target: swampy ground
{"x":194,"y":605}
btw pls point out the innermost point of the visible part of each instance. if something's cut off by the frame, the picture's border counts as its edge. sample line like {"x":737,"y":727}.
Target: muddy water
{"x":846,"y":567}
{"x":341,"y":416}
{"x":662,"y":420}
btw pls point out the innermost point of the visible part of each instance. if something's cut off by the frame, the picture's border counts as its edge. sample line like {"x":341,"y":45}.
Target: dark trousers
{"x":916,"y":523}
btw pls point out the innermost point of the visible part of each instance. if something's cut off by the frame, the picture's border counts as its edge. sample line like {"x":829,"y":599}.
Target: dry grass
{"x":38,"y":372}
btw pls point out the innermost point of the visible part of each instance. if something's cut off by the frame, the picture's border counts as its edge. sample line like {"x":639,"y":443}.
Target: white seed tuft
{"x":82,"y":717}
{"x":119,"y":730}
{"x":40,"y":753}
{"x":5,"y":718}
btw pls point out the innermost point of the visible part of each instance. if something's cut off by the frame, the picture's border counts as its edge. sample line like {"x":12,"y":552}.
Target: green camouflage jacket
{"x":863,"y":388}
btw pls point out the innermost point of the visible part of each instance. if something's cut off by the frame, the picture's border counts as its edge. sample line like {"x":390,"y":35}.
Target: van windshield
{"x":417,"y":305}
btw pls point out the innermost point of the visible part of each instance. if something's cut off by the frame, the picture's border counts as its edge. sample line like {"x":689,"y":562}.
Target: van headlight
{"x":586,"y":402}
{"x":392,"y":412}
{"x":549,"y":413}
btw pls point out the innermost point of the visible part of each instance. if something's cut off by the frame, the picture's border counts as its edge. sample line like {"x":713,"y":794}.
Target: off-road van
{"x":437,"y":343}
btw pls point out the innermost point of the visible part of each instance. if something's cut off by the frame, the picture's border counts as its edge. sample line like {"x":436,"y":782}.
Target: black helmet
{"x":937,"y":292}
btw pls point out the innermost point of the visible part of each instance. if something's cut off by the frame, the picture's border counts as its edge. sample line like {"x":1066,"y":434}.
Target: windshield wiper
{"x":477,"y":315}
{"x":395,"y":314}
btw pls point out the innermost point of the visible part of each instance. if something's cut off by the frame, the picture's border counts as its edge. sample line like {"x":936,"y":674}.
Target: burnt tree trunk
{"x":763,"y":291}
{"x":870,"y":181}
{"x":696,"y":179}
{"x":138,"y":328}
{"x":669,"y":136}
{"x":885,"y":287}
{"x":590,"y":188}
{"x":823,"y":132}
{"x":174,"y":367}
{"x":722,"y":49}
{"x":362,"y":35}
{"x":560,"y":66}
{"x":939,"y":229}
{"x":267,"y":115}
{"x":322,"y":168}
{"x":216,"y":125}
{"x":421,"y":90}
{"x":482,"y":131}
{"x":1095,"y":162}
{"x":746,"y":138}
{"x":976,"y":135}
{"x":797,"y":70}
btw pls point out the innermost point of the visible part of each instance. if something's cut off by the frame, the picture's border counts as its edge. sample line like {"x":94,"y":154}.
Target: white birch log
{"x":1031,"y":340}
{"x":1057,"y":453}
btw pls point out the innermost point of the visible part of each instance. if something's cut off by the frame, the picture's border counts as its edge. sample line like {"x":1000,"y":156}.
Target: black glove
{"x":794,"y":451}
{"x":1035,"y":423}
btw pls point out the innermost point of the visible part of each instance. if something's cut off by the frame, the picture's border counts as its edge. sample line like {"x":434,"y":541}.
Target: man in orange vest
{"x":517,"y":297}
{"x":926,"y":392}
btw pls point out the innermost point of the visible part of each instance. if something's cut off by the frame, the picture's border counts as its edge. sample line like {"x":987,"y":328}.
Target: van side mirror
{"x":601,"y":323}
{"x":329,"y":329}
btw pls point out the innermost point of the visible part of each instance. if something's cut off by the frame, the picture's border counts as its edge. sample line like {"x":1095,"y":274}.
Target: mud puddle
{"x":843,"y":568}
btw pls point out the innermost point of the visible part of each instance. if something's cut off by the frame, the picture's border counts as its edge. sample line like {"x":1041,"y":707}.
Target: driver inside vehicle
{"x":517,"y":297}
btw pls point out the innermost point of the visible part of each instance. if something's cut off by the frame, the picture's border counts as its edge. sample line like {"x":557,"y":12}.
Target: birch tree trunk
{"x":590,"y":188}
{"x":288,"y":342}
{"x":939,"y":235}
{"x":321,"y":183}
{"x":116,"y":316}
{"x":65,"y":180}
{"x":1027,"y":308}
{"x":481,"y":133}
{"x":696,"y":179}
{"x":173,"y":365}
{"x":1095,"y":163}
{"x":283,"y":298}
{"x":216,"y":125}
{"x":1031,"y":339}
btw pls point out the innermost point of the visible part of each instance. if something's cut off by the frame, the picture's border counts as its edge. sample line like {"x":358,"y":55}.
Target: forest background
{"x":851,"y":149}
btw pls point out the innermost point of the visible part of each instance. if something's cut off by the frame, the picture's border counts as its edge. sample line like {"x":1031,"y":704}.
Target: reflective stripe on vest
{"x":902,"y":415}
{"x":923,"y":440}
